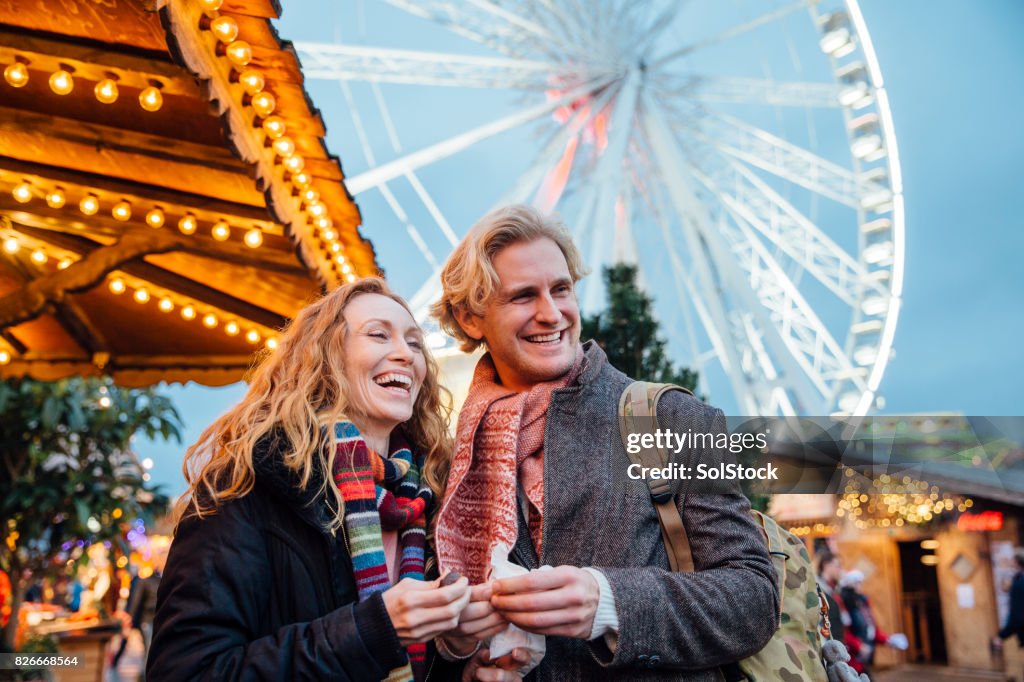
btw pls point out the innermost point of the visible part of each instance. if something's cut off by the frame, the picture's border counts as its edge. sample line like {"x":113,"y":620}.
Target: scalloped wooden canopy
{"x":165,"y":245}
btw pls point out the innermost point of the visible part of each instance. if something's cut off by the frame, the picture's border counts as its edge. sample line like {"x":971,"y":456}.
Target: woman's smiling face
{"x":384,"y":363}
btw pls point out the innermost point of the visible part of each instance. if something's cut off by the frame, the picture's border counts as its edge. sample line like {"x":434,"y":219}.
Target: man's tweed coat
{"x":672,"y":626}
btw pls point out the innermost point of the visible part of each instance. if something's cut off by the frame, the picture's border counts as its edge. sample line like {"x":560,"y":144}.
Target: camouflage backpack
{"x":793,"y":654}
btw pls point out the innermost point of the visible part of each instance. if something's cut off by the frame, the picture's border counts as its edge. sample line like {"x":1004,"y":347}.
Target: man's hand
{"x":562,"y":601}
{"x":505,"y":669}
{"x":477,"y":622}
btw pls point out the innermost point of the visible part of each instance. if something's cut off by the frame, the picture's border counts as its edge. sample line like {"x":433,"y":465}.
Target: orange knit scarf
{"x":499,"y":441}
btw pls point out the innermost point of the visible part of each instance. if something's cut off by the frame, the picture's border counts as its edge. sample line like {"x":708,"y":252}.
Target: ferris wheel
{"x":745,"y":160}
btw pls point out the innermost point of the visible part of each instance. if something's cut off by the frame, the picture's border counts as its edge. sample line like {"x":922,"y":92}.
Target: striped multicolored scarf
{"x":383,"y":493}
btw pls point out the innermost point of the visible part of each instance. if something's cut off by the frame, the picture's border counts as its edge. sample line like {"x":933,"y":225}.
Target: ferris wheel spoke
{"x":784,"y":159}
{"x":479,"y":20}
{"x":433,"y":153}
{"x":793,"y":233}
{"x":707,"y":296}
{"x":714,"y":319}
{"x":817,"y":352}
{"x":736,"y":90}
{"x":410,"y":67}
{"x":744,"y":279}
{"x":732,"y":32}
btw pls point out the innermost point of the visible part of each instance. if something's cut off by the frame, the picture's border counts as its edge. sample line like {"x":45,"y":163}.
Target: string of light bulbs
{"x":62,"y":82}
{"x":123,"y":209}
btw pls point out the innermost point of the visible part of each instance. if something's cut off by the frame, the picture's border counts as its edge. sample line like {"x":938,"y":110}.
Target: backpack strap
{"x":640,"y":400}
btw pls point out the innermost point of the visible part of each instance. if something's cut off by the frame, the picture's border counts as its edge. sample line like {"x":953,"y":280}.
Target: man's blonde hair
{"x":468,"y":279}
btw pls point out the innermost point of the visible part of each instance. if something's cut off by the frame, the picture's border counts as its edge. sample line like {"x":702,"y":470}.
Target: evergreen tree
{"x":628,"y":332}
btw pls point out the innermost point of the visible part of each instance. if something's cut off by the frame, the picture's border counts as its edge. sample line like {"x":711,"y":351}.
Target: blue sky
{"x":952,"y":70}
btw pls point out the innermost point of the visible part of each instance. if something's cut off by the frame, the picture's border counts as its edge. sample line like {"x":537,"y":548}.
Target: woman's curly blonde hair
{"x":298,"y":388}
{"x":468,"y":279}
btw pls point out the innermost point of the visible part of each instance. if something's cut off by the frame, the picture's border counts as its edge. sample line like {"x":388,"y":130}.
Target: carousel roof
{"x":167,"y":200}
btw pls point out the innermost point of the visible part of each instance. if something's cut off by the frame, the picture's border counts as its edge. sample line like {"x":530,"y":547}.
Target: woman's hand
{"x":505,"y":669}
{"x":422,"y":610}
{"x":478,"y":621}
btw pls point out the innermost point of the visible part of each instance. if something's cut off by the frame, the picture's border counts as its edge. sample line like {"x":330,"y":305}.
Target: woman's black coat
{"x":261,"y":590}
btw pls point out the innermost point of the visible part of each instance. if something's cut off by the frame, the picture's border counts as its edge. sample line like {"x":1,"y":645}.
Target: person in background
{"x":141,"y":607}
{"x":830,"y":570}
{"x":863,"y":628}
{"x":1014,"y":625}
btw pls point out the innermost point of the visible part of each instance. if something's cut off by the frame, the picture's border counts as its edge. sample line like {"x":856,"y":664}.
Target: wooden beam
{"x":78,"y":325}
{"x":126,"y":155}
{"x":97,"y":138}
{"x":29,"y":302}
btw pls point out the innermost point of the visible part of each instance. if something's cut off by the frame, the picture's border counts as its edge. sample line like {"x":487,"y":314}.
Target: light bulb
{"x":263,"y":103}
{"x":225,"y":28}
{"x":22,"y":193}
{"x":274,"y":126}
{"x":335,"y":247}
{"x":301,"y":180}
{"x":122,"y":211}
{"x":329,"y":235}
{"x":11,"y":245}
{"x":39,"y":256}
{"x":324,"y":222}
{"x":117,"y":286}
{"x":231,"y":328}
{"x":252,"y":80}
{"x":211,"y":5}
{"x":165,"y":305}
{"x":351,"y":277}
{"x":150,"y":99}
{"x":188,"y":224}
{"x":188,"y":312}
{"x":16,"y":75}
{"x":61,"y":82}
{"x":271,"y":344}
{"x":239,"y":52}
{"x":294,"y":163}
{"x":253,"y":238}
{"x":155,"y":218}
{"x":209,"y":320}
{"x":106,"y":91}
{"x":55,"y":198}
{"x":252,"y":336}
{"x":141,"y":296}
{"x":64,"y":264}
{"x":89,"y":205}
{"x":310,"y":195}
{"x":339,"y":259}
{"x":317,"y":209}
{"x":221,"y":231}
{"x":284,"y":146}
{"x":5,"y":357}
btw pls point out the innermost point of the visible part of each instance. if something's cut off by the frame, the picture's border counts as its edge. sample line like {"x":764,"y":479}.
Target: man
{"x":829,"y":573}
{"x":1015,"y":618}
{"x":539,"y":466}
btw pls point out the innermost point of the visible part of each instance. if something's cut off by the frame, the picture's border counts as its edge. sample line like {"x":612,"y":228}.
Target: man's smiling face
{"x":532,"y":324}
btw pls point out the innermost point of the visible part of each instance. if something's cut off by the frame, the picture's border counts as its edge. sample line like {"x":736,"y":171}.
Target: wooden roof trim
{"x":198,"y":50}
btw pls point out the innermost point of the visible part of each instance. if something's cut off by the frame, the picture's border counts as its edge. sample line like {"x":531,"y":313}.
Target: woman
{"x":300,"y":546}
